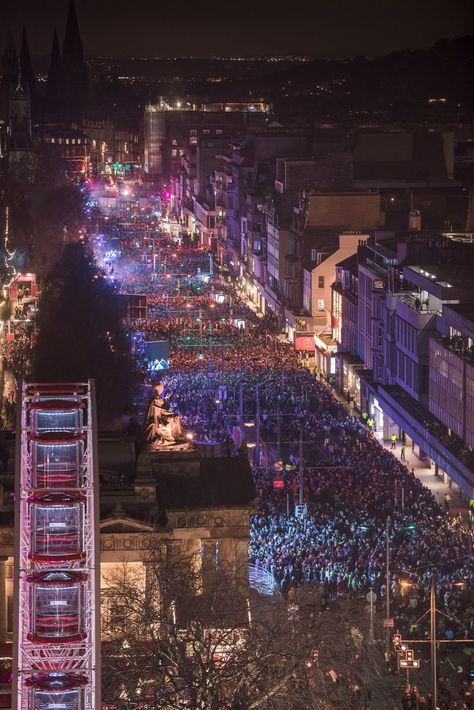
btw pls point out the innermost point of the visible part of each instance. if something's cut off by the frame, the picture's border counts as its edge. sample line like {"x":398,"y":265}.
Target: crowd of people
{"x":355,"y":493}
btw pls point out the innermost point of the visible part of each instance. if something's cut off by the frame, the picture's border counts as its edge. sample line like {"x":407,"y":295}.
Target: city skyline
{"x":152,"y":31}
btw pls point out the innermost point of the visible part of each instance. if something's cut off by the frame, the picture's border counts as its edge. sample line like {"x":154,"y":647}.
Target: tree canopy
{"x":178,"y":633}
{"x":81,"y":334}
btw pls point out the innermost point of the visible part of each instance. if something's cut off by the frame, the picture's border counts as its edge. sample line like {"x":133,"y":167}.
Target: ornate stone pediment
{"x":120,"y":522}
{"x":124,"y":525}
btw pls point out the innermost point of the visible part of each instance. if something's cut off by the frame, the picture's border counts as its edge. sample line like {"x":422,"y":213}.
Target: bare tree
{"x":180,"y":634}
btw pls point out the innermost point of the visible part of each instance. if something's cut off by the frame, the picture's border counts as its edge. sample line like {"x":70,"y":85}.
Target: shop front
{"x":348,"y":369}
{"x":325,"y":356}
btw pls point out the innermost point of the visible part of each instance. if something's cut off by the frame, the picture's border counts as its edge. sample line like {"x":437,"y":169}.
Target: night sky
{"x":333,"y":28}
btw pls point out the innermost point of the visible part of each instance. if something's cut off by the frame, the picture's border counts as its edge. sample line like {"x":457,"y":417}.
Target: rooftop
{"x":214,"y":482}
{"x":448,"y":276}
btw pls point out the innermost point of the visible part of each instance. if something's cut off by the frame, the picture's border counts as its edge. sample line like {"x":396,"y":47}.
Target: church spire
{"x":72,"y":46}
{"x":53,"y":85}
{"x":26,"y":66}
{"x":74,"y":70}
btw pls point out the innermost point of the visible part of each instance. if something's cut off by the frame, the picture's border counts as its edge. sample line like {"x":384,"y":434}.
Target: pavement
{"x":426,"y":474}
{"x":430,"y":480}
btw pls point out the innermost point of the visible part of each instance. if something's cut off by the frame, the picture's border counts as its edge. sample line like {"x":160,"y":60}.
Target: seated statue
{"x":163,"y":428}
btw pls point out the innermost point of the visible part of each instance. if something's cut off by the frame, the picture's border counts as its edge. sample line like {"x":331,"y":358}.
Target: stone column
{"x":242,"y":559}
{"x":227,"y":554}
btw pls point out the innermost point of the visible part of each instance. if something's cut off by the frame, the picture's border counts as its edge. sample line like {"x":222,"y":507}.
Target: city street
{"x":330,"y":493}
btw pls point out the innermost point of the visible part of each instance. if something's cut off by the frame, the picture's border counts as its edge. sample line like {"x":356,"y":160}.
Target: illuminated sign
{"x":305,"y":342}
{"x":156,"y":354}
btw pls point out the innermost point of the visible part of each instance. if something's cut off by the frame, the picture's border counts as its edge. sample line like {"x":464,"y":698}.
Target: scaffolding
{"x":56,"y":660}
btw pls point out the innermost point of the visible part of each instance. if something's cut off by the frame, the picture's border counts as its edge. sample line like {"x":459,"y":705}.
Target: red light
{"x":278,"y":484}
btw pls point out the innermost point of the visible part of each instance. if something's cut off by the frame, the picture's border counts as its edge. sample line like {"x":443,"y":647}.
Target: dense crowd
{"x":355,"y":492}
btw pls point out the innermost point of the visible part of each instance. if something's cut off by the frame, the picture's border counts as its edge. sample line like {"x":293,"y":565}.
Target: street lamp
{"x":433,"y":642}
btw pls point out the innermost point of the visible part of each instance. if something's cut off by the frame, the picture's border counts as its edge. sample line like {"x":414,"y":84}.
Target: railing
{"x":414,"y":302}
{"x":262,"y":581}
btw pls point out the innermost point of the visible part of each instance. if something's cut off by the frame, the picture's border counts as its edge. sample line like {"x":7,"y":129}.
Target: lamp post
{"x":257,"y":423}
{"x":300,"y":500}
{"x":387,"y":582}
{"x":433,"y":640}
{"x":241,"y":405}
{"x":434,"y":685}
{"x":211,"y":357}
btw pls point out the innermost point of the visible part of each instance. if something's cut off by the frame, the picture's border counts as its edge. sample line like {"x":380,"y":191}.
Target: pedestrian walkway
{"x":429,"y":479}
{"x":425,"y":473}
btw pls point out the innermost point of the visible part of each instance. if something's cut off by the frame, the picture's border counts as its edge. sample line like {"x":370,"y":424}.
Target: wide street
{"x":335,"y":507}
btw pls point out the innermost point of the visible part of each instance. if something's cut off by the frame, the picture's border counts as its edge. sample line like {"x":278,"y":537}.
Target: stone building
{"x":186,"y":501}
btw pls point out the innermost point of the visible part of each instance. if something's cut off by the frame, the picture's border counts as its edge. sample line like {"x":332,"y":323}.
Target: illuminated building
{"x":403,"y":324}
{"x":67,"y":149}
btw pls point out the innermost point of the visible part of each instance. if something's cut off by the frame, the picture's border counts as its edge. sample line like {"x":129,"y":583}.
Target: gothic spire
{"x":74,"y":69}
{"x":53,"y":86}
{"x":72,"y":46}
{"x":26,"y":66}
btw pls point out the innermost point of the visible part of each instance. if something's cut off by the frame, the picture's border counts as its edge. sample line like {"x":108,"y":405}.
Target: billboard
{"x":305,"y":342}
{"x":156,"y":354}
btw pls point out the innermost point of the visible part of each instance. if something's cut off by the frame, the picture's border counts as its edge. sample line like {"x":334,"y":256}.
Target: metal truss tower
{"x":56,"y":660}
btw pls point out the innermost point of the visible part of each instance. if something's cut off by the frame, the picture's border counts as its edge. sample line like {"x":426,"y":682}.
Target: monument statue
{"x":163,"y":428}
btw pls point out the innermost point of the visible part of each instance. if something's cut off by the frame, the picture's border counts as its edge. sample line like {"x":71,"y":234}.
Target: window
{"x":206,"y":131}
{"x":379,"y":337}
{"x":320,"y":304}
{"x":174,"y":152}
{"x":314,"y":253}
{"x":320,"y":281}
{"x":193,"y":132}
{"x":257,"y":244}
{"x":174,"y":142}
{"x":219,"y":131}
{"x":346,"y":279}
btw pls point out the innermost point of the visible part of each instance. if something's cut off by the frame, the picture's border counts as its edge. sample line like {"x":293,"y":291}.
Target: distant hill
{"x":408,"y":78}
